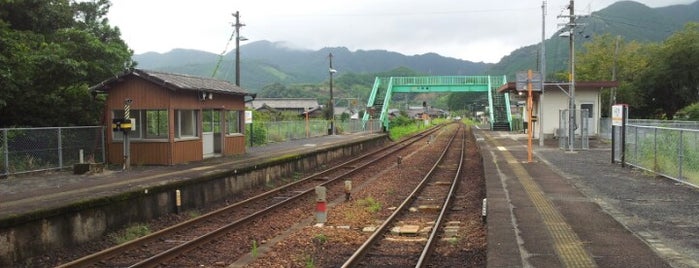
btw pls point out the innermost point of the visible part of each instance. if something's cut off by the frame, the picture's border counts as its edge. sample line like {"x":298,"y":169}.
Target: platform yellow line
{"x":568,"y":246}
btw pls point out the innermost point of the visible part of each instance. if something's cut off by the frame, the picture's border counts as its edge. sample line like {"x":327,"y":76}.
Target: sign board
{"x":123,"y":124}
{"x":248,"y":117}
{"x":523,"y":80}
{"x":618,"y":114}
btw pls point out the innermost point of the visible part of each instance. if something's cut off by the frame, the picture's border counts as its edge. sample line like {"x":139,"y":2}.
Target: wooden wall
{"x":234,"y":145}
{"x":149,"y":96}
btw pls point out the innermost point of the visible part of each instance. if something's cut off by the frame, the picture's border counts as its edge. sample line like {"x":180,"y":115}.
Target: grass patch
{"x":193,"y":213}
{"x":398,"y":132}
{"x":370,"y":204}
{"x":255,"y":249}
{"x":309,"y":262}
{"x":130,"y":233}
{"x":320,"y":238}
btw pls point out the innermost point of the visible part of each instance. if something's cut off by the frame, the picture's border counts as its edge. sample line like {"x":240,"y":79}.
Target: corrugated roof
{"x":285,"y":103}
{"x":512,"y":86}
{"x":177,"y":82}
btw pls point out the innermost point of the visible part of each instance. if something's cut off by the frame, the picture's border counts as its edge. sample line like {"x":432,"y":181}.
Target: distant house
{"x":296,"y":105}
{"x":176,"y":118}
{"x":418,"y":111}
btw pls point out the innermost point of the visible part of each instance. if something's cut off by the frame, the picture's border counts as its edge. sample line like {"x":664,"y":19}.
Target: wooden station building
{"x":175,"y":118}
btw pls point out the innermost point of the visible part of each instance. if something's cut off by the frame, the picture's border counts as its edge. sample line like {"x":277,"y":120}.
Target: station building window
{"x":148,"y":124}
{"x":156,"y":124}
{"x":233,"y":122}
{"x":186,"y":122}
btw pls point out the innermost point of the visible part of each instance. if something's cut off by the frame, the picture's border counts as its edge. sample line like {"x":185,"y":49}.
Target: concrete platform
{"x":579,"y":210}
{"x":562,"y":210}
{"x":43,"y":211}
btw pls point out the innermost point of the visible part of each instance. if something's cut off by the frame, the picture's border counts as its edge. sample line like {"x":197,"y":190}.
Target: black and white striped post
{"x":126,"y":128}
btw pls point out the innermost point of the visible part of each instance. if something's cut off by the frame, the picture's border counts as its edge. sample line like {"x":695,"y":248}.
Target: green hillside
{"x":628,"y":19}
{"x":265,"y":63}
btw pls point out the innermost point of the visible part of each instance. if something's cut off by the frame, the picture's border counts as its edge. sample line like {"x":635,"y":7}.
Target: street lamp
{"x":238,"y":38}
{"x":331,"y":71}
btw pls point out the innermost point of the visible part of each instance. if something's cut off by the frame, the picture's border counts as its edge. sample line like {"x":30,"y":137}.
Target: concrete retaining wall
{"x":79,"y":223}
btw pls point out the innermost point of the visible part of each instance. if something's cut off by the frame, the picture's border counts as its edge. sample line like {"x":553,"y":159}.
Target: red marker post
{"x":321,"y":204}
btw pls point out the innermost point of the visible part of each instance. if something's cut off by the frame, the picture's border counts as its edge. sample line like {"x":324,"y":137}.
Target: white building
{"x":555,"y":98}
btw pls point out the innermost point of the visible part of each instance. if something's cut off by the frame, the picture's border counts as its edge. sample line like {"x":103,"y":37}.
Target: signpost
{"x":526,"y":82}
{"x":620,"y":114}
{"x":125,"y":125}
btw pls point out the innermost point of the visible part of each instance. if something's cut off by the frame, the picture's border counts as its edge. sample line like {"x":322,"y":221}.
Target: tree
{"x":672,"y":80}
{"x":607,"y":58}
{"x":51,"y":51}
{"x":690,"y":112}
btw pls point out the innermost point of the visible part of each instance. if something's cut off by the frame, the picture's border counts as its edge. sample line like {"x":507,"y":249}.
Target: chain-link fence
{"x":293,"y":130}
{"x":581,"y":128}
{"x":665,"y":123}
{"x":671,"y":152}
{"x":25,"y":150}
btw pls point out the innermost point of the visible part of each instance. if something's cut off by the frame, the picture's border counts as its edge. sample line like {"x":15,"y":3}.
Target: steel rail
{"x":359,"y":254}
{"x":172,"y":253}
{"x":427,"y":251}
{"x":153,"y":237}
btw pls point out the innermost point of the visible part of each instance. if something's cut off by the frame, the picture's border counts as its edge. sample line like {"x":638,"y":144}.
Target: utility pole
{"x":331,"y":71}
{"x":237,"y":47}
{"x":612,"y":96}
{"x":543,"y":74}
{"x":571,"y":92}
{"x":571,"y":105}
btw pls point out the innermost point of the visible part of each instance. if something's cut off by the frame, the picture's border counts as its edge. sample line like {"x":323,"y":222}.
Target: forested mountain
{"x":627,"y":19}
{"x":274,"y":69}
{"x":264,"y":63}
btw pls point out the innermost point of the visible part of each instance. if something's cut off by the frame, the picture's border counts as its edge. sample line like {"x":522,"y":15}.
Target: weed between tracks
{"x":130,"y":233}
{"x":371,"y":204}
{"x":255,"y":249}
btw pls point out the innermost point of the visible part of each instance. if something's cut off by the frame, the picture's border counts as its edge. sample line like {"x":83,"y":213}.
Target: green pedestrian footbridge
{"x":384,"y":87}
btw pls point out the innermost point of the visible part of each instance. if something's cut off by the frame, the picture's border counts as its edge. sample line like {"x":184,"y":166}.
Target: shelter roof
{"x":512,"y":86}
{"x":175,"y":82}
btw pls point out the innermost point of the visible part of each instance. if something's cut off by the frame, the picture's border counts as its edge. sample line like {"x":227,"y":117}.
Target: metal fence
{"x":665,"y":123}
{"x":24,"y":150}
{"x":581,"y":138}
{"x":293,"y":130}
{"x":671,"y":152}
{"x":37,"y":149}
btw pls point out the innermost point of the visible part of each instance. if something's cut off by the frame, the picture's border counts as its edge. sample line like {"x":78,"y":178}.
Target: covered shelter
{"x":175,"y":118}
{"x":556,"y":99}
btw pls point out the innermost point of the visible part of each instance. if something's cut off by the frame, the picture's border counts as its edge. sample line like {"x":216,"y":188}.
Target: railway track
{"x":408,"y":235}
{"x":168,"y":246}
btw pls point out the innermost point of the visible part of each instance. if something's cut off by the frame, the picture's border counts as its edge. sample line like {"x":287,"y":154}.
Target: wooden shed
{"x":176,"y":118}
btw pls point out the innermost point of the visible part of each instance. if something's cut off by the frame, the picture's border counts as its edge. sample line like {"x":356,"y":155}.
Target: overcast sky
{"x":469,"y":30}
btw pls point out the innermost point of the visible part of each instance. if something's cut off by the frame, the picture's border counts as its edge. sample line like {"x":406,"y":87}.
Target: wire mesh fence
{"x":671,"y":152}
{"x":24,"y":150}
{"x":281,"y":131}
{"x":665,"y":123}
{"x":37,"y":149}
